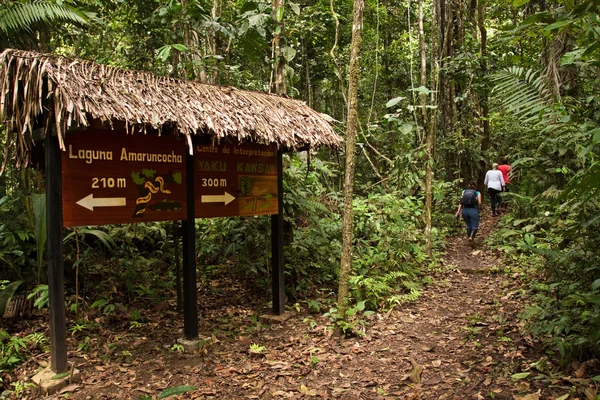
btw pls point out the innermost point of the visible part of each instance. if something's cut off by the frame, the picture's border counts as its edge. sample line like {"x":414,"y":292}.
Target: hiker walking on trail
{"x":506,"y":172}
{"x":469,"y":204}
{"x":494,"y":182}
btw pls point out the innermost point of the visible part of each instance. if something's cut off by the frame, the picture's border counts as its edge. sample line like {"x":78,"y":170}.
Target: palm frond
{"x":20,"y":16}
{"x":524,"y":92}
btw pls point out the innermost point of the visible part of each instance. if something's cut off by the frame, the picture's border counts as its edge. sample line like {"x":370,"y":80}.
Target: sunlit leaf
{"x":394,"y":101}
{"x":520,"y":375}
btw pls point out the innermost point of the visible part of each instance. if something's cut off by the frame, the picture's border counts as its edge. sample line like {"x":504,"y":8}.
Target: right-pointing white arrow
{"x":221,"y":198}
{"x":90,"y":202}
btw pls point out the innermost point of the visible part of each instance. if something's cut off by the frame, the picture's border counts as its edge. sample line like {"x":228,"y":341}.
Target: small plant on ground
{"x":256,"y":349}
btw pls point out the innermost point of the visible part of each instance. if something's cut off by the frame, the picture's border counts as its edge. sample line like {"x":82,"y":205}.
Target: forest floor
{"x":461,"y":339}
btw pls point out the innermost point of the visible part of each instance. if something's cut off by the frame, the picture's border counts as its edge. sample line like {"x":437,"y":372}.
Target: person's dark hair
{"x":504,"y":161}
{"x":473,"y":184}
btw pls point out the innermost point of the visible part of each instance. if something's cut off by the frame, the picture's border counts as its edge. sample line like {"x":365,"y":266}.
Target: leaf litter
{"x":460,"y":340}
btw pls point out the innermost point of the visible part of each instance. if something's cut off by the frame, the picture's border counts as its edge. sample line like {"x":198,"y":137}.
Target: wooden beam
{"x":54,"y":241}
{"x":277,"y":280}
{"x":190,"y":295}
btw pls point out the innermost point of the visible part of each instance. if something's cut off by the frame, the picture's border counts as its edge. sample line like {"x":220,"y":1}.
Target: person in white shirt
{"x":494,"y":181}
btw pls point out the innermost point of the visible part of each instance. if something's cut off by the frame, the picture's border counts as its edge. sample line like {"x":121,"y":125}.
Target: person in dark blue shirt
{"x":469,"y":204}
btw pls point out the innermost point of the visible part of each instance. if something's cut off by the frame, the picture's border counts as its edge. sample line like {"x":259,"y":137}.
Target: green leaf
{"x":563,"y":397}
{"x":179,"y":47}
{"x":596,"y":284}
{"x":176,"y":390}
{"x":519,"y":3}
{"x":406,"y":128}
{"x":61,"y":375}
{"x":288,"y":53}
{"x":421,"y":90}
{"x":7,"y":294}
{"x":279,"y":14}
{"x":394,"y":101}
{"x":543,"y":16}
{"x":558,"y":25}
{"x":360,"y":306}
{"x":520,"y":375}
{"x":295,"y":8}
{"x":163,"y":53}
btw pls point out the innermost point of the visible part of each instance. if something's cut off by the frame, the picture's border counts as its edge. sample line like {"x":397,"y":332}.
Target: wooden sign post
{"x":111,"y":177}
{"x":54,"y":241}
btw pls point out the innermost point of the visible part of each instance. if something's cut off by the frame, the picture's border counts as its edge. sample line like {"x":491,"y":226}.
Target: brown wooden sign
{"x":111,"y":177}
{"x":235,"y":180}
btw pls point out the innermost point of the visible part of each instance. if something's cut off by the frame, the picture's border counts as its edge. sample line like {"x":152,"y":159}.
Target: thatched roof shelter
{"x":79,"y":92}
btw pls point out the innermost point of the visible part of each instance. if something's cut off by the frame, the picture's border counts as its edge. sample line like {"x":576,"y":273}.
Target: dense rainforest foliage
{"x":445,"y":86}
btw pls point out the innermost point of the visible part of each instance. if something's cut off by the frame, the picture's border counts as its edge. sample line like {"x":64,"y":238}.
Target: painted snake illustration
{"x":152,"y":190}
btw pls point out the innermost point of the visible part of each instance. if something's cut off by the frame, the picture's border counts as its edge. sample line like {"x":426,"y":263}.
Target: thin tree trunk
{"x":426,"y":128}
{"x":485,"y":140}
{"x":351,"y":132}
{"x":215,"y":13}
{"x":279,"y":61}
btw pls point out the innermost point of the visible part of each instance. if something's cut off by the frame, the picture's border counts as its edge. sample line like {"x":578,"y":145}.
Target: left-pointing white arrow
{"x":90,"y":202}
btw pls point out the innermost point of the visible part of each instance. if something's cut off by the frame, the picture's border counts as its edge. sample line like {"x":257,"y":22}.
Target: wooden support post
{"x":190,"y":295}
{"x":277,"y":280}
{"x":54,"y":241}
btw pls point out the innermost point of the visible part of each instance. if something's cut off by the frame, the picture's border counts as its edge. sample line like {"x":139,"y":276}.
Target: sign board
{"x":111,"y":177}
{"x":235,"y":180}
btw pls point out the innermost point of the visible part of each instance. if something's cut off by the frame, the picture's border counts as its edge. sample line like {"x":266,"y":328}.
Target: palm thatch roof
{"x":79,"y":92}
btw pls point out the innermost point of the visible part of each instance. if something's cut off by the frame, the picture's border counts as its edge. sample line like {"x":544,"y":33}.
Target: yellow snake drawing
{"x":153,"y":190}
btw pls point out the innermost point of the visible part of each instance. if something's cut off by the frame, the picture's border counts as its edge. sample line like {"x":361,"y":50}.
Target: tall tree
{"x":428,"y":133}
{"x":351,"y":132}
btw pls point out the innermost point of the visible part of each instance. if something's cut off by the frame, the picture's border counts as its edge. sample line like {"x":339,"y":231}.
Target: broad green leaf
{"x":520,"y":375}
{"x":394,"y":101}
{"x":421,"y":90}
{"x":406,"y":128}
{"x":288,"y":53}
{"x":596,"y":284}
{"x":519,"y":3}
{"x":295,"y":8}
{"x":279,"y":14}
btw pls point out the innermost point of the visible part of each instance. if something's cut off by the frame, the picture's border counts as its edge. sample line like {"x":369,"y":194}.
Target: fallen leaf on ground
{"x":69,"y":388}
{"x":307,"y":391}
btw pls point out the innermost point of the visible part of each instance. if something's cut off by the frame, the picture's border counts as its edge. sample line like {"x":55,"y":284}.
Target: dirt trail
{"x":460,"y":340}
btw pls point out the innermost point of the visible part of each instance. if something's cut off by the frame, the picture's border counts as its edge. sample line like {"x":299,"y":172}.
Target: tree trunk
{"x":351,"y":132}
{"x":279,"y":61}
{"x":485,"y":140}
{"x":426,"y":128}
